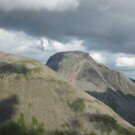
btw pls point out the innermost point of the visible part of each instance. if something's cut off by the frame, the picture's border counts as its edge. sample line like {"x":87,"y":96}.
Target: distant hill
{"x":31,"y":91}
{"x":111,"y":87}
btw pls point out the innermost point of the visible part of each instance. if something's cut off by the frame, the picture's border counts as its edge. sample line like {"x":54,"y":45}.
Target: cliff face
{"x":111,"y":87}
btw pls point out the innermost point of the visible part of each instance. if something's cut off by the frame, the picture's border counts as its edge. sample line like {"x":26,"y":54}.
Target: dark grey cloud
{"x":102,"y":24}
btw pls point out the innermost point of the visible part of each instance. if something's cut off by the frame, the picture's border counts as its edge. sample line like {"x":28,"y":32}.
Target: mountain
{"x":132,"y":80}
{"x":111,"y":87}
{"x":30,"y":91}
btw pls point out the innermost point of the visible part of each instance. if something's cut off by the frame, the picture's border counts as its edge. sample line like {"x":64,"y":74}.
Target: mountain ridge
{"x":82,"y":71}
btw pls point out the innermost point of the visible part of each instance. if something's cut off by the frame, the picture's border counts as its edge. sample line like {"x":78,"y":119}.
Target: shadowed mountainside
{"x":7,"y":108}
{"x":110,"y":98}
{"x":132,"y":80}
{"x":82,"y":71}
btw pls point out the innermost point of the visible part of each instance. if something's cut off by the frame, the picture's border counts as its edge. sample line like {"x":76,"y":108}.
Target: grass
{"x":107,"y":124}
{"x":97,"y":101}
{"x":9,"y":69}
{"x":77,"y":105}
{"x":72,"y":132}
{"x":19,"y":70}
{"x":92,"y":132}
{"x":32,"y":61}
{"x":19,"y":127}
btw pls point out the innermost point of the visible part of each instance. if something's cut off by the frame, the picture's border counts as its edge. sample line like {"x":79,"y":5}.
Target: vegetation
{"x":19,"y":127}
{"x":13,"y":68}
{"x":92,"y":132}
{"x":77,"y":105}
{"x":97,"y":101}
{"x":106,"y":124}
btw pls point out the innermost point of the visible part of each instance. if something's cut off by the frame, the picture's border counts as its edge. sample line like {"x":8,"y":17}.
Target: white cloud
{"x":57,"y":5}
{"x":17,"y":42}
{"x":21,"y":43}
{"x":125,"y":61}
{"x":98,"y":57}
{"x":58,"y":46}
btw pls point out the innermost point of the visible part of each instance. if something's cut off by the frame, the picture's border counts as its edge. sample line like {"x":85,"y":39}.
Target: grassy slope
{"x":28,"y":87}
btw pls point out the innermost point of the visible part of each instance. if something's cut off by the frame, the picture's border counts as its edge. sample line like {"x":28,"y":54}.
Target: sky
{"x":39,"y":28}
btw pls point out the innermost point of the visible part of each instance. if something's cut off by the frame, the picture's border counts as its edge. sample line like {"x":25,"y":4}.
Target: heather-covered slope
{"x":32,"y":91}
{"x":111,"y":87}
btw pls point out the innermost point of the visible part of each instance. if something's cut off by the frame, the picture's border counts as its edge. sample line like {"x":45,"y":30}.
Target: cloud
{"x":125,"y":61}
{"x":58,"y":46}
{"x":97,"y":56}
{"x":20,"y":42}
{"x":51,"y":5}
{"x":39,"y":48}
{"x":101,"y":24}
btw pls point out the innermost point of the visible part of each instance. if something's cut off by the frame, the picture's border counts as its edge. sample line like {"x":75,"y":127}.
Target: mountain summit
{"x":111,"y":87}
